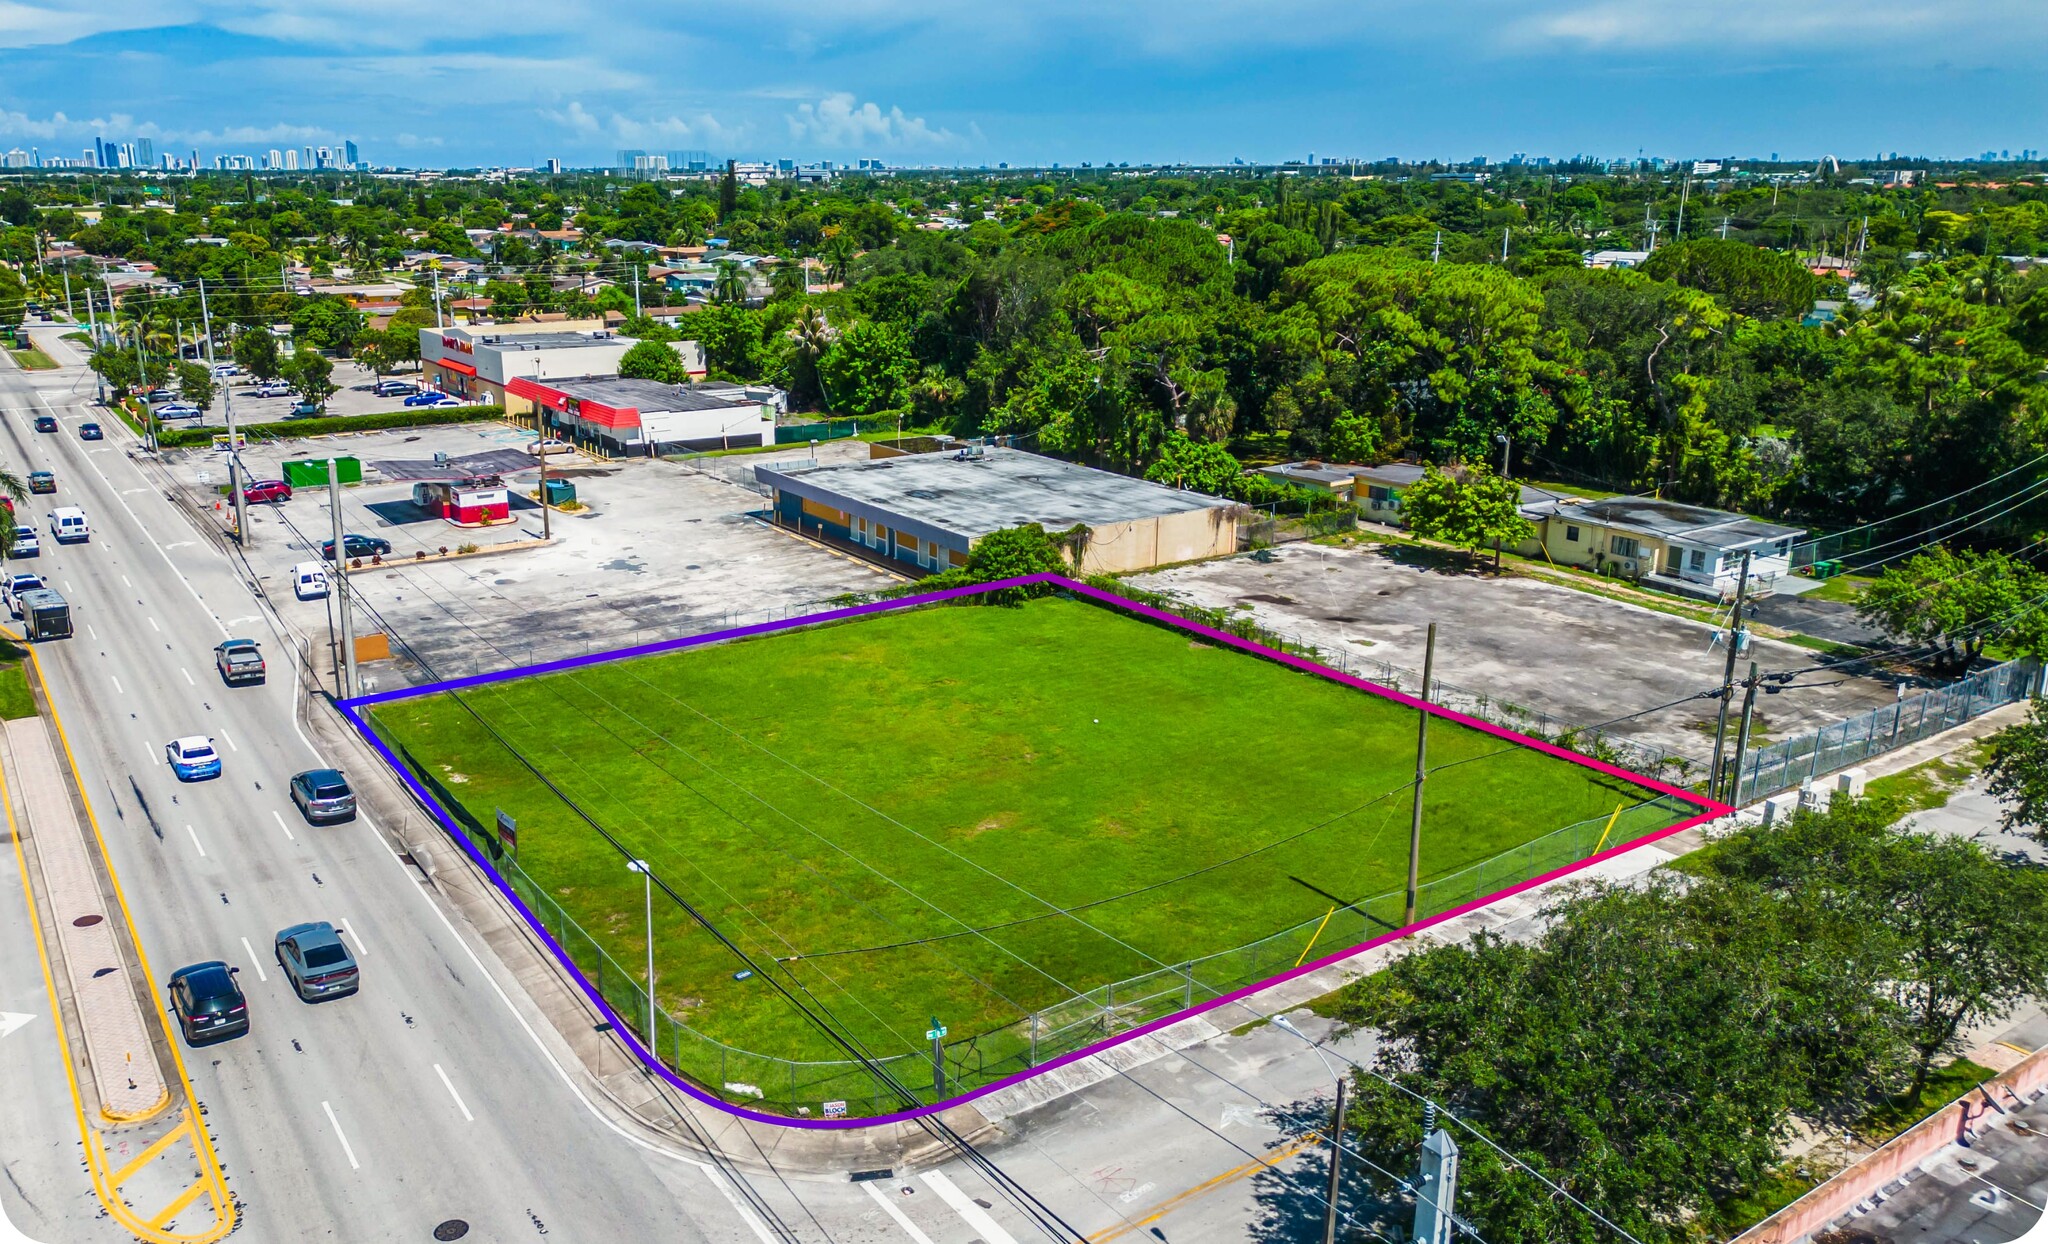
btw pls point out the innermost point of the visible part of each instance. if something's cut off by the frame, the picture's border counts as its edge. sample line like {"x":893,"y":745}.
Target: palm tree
{"x":16,"y":491}
{"x":813,"y":335}
{"x":838,"y":255}
{"x":731,"y":285}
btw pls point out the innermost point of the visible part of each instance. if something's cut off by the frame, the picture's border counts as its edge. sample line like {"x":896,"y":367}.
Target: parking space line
{"x":450,"y":1086}
{"x":974,"y":1215}
{"x":352,"y":936}
{"x":255,"y":962}
{"x":911,"y":1229}
{"x":342,"y":1136}
{"x":281,"y":825}
{"x":195,"y":840}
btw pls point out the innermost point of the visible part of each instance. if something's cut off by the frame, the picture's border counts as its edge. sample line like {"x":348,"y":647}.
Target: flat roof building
{"x":635,"y":417}
{"x":931,"y":509}
{"x":476,"y":361}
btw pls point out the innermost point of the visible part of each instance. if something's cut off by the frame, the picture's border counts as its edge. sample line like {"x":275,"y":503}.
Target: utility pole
{"x":341,"y":594}
{"x":1728,"y":674}
{"x":1436,"y":1197}
{"x":636,"y":298}
{"x":1742,"y":735}
{"x":67,"y":296}
{"x":1336,"y":1164}
{"x":435,"y":264}
{"x":1503,"y":245}
{"x":647,"y":875}
{"x":546,"y":528}
{"x":1421,"y":773}
{"x":1436,"y":251}
{"x":141,"y":370}
{"x":1679,"y":233}
{"x":227,"y":400}
{"x":92,"y":320}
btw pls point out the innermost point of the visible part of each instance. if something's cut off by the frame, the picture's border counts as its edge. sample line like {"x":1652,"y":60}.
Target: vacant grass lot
{"x":893,"y":814}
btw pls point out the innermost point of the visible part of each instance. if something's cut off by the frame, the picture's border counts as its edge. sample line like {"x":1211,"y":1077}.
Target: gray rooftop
{"x":970,"y":494}
{"x":650,"y":396}
{"x":1669,"y":520}
{"x":547,"y":341}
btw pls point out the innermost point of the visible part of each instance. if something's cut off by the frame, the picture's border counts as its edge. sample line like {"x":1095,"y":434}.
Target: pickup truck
{"x":238,"y":661}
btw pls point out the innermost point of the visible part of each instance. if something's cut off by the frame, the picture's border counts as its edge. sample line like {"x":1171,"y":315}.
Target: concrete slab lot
{"x":663,"y":550}
{"x":1577,"y":657}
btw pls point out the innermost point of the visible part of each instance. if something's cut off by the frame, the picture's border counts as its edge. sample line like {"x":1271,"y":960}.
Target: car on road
{"x":208,"y":1003}
{"x":396,"y":388}
{"x":266,"y":490}
{"x":86,"y":431}
{"x":16,"y":584}
{"x":46,"y":423}
{"x":431,"y":398}
{"x":309,"y":581}
{"x":323,"y":796}
{"x":68,"y":525}
{"x":193,"y":758}
{"x":317,"y":962}
{"x":41,"y":481}
{"x":272,"y":388}
{"x":26,"y":543}
{"x":549,"y":445}
{"x":238,"y":660}
{"x":357,"y":546}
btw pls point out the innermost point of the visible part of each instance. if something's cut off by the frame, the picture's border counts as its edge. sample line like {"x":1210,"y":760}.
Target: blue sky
{"x":1027,"y":81}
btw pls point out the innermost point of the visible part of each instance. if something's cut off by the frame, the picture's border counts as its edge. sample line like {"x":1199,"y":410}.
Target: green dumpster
{"x":559,"y":492}
{"x":312,"y":472}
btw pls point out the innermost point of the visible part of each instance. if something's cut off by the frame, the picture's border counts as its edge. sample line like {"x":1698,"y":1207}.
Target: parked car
{"x":353,"y":545}
{"x":323,"y":796}
{"x":208,"y":1003}
{"x":157,"y":396}
{"x":431,"y":398}
{"x":86,"y":431}
{"x":396,"y":388}
{"x":48,"y":423}
{"x":266,"y":490}
{"x":549,"y":445}
{"x":193,"y":758}
{"x":222,"y":371}
{"x":316,"y":962}
{"x":238,"y":660}
{"x":180,"y":410}
{"x":41,"y":481}
{"x":305,"y":410}
{"x":273,"y":388}
{"x":309,"y":581}
{"x":26,"y":543}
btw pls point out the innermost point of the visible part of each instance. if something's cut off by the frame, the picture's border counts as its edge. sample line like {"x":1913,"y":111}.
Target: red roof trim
{"x":452,"y":365}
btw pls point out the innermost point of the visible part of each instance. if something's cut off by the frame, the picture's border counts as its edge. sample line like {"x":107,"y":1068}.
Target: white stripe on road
{"x":125,"y":583}
{"x":188,"y":675}
{"x":88,"y":626}
{"x":889,"y":1207}
{"x":976,"y":1216}
{"x":195,"y":840}
{"x":360,"y":948}
{"x":449,"y":1085}
{"x":154,"y":627}
{"x":231,"y":742}
{"x":260,"y":973}
{"x":281,"y":825}
{"x":117,"y":685}
{"x":343,"y":1138}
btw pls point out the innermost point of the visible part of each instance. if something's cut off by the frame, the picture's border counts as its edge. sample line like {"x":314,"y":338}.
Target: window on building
{"x":1571,"y":534}
{"x":1699,"y":559}
{"x":1730,"y":561}
{"x":1623,"y":546}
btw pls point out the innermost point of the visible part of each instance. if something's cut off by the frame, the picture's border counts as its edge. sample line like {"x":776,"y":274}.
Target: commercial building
{"x":634,"y":417}
{"x":930,"y":510}
{"x":476,"y":361}
{"x":1683,"y":548}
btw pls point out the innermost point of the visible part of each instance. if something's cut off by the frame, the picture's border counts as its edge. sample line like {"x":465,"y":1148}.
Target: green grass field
{"x":890,"y":813}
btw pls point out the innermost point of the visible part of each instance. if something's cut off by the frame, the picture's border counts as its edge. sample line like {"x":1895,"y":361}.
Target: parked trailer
{"x":44,"y":614}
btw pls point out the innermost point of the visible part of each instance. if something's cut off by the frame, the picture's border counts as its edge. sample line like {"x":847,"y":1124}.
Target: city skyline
{"x":916,"y":83}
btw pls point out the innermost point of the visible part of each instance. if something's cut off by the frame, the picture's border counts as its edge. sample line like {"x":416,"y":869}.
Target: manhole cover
{"x":88,"y":920}
{"x":453,"y":1229}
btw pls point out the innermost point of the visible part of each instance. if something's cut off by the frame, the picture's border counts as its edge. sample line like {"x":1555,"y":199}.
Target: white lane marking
{"x":231,"y":742}
{"x":281,"y":825}
{"x":125,"y":583}
{"x":154,"y":627}
{"x":343,"y":1138}
{"x":195,"y":840}
{"x":11,"y":1021}
{"x":450,"y":1086}
{"x":260,"y":973}
{"x":141,"y":527}
{"x":129,"y":492}
{"x":188,"y":675}
{"x":88,"y":626}
{"x":67,"y":585}
{"x":178,"y":544}
{"x":360,"y":948}
{"x":975,"y":1215}
{"x":910,"y":1228}
{"x":117,"y":685}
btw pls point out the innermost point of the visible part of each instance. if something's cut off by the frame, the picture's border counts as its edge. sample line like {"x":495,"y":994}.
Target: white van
{"x":309,"y":581}
{"x":67,"y":524}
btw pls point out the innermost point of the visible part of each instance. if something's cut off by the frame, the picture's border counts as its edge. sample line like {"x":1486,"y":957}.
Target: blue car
{"x":431,"y":399}
{"x":193,"y":758}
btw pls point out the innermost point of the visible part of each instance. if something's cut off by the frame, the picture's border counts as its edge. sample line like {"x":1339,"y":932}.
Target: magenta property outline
{"x":1709,"y":809}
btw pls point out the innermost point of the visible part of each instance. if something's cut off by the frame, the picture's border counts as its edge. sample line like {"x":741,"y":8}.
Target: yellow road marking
{"x":96,"y":1159}
{"x":1232,"y":1175}
{"x":192,"y":1193}
{"x":2017,"y":1049}
{"x":141,"y":1159}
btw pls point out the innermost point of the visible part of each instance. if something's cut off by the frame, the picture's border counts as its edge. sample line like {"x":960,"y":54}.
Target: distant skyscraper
{"x":276,"y":160}
{"x":291,"y":160}
{"x":554,"y":167}
{"x":35,"y":157}
{"x":306,"y":159}
{"x":348,"y":157}
{"x":145,"y":153}
{"x":92,"y":155}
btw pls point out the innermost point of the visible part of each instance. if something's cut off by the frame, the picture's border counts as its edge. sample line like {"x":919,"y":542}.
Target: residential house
{"x":1684,"y":548}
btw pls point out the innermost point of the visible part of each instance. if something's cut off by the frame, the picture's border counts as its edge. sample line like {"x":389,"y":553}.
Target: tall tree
{"x":1467,"y":506}
{"x":1953,"y":602}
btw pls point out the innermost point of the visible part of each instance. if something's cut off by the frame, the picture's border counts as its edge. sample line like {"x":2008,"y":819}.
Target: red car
{"x":267,"y":490}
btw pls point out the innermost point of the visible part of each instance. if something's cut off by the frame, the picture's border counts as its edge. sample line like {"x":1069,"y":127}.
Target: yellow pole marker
{"x":1610,"y":828}
{"x":1312,"y":941}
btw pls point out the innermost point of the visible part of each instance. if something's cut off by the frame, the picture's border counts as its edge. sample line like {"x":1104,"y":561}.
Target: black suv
{"x":208,"y":1003}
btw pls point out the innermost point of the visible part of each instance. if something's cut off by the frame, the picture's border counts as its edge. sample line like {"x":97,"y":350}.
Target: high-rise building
{"x":554,"y":167}
{"x":291,"y":160}
{"x":16,"y":158}
{"x":348,"y":159}
{"x":145,"y":153}
{"x":276,"y":160}
{"x":323,"y":157}
{"x":306,"y":159}
{"x":91,"y":159}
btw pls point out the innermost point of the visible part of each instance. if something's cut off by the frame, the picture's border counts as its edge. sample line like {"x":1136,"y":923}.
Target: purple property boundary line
{"x":1709,"y":809}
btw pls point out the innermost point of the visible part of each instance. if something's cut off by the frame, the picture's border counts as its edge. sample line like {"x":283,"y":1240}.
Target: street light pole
{"x":1421,"y":774}
{"x":1336,"y":1165}
{"x":348,"y":628}
{"x":1728,"y":675}
{"x":647,"y":876}
{"x":227,"y":398}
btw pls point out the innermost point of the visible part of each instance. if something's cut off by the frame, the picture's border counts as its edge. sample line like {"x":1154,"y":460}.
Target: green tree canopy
{"x":1466,"y":506}
{"x":1751,"y":281}
{"x":654,"y":360}
{"x":1954,"y":602}
{"x":256,"y":351}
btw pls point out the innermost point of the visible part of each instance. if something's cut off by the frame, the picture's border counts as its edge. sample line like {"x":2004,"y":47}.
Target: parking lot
{"x":1577,"y":657}
{"x":354,"y":395}
{"x":662,"y":550}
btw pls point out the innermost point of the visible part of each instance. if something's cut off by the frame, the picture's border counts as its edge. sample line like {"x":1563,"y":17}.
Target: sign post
{"x":508,"y":834}
{"x":936,"y":1034}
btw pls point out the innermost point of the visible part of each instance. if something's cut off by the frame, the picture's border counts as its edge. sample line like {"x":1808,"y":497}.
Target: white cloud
{"x":840,"y":121}
{"x":1813,"y":24}
{"x":701,"y":127}
{"x":57,"y":125}
{"x":26,"y":23}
